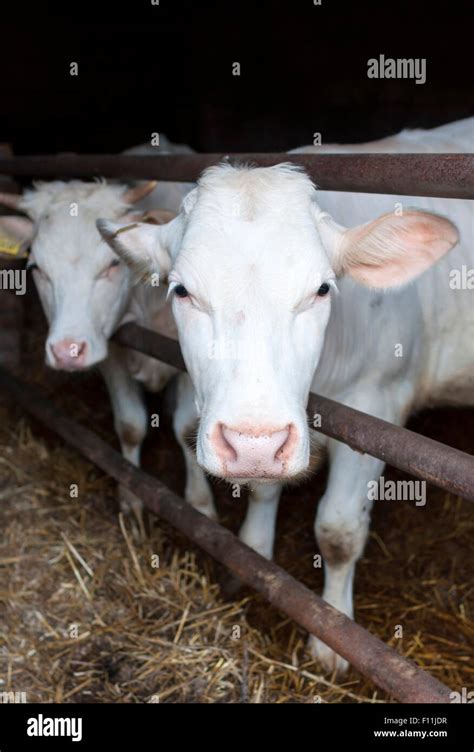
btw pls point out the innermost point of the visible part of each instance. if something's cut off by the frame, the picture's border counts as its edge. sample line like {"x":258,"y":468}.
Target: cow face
{"x":83,"y":286}
{"x":254,"y":268}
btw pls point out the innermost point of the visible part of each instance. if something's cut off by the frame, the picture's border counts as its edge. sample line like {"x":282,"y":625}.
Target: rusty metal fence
{"x":441,"y":175}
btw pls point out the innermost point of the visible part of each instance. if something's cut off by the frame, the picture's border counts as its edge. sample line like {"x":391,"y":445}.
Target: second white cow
{"x":86,"y":293}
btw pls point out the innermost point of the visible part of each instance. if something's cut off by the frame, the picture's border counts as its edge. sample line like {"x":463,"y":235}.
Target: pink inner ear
{"x":393,"y":250}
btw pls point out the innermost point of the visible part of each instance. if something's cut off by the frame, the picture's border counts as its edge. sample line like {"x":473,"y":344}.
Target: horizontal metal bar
{"x":418,"y":455}
{"x":425,"y":458}
{"x":396,"y":675}
{"x":150,"y":343}
{"x":443,"y":175}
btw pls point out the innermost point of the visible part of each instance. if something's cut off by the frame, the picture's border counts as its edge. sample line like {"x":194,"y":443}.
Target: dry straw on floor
{"x":87,"y":616}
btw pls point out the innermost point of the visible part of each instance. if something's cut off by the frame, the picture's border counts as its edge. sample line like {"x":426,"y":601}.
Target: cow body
{"x":254,"y":254}
{"x":435,"y":326}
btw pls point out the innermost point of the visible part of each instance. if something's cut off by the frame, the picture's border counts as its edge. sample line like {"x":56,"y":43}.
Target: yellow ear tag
{"x":10,"y":246}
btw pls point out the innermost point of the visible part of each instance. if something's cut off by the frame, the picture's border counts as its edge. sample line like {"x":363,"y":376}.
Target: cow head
{"x":254,"y":266}
{"x":83,"y":286}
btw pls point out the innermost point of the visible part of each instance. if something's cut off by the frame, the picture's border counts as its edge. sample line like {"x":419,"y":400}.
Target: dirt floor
{"x":86,"y":617}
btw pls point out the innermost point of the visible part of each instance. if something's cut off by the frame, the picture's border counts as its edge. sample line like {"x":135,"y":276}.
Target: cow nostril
{"x":223,"y":445}
{"x":56,"y":351}
{"x":285,"y":447}
{"x":81,"y":349}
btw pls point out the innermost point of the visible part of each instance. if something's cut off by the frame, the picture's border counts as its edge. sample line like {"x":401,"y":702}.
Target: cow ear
{"x":390,"y":251}
{"x":144,"y":247}
{"x":16,"y":234}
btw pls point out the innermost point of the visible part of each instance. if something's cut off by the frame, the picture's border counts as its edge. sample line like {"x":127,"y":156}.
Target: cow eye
{"x":323,"y":290}
{"x":181,"y":291}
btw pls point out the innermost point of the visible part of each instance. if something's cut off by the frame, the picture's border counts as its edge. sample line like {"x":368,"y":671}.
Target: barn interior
{"x":106,"y":626}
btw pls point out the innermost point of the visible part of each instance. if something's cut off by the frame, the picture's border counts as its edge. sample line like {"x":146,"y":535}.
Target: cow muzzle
{"x":254,"y":452}
{"x":69,"y":354}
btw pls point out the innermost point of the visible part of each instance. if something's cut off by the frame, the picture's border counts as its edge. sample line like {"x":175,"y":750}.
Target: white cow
{"x":86,"y":293}
{"x":273,"y":297}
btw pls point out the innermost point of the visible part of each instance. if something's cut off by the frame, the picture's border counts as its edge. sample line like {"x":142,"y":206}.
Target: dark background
{"x":168,"y":68}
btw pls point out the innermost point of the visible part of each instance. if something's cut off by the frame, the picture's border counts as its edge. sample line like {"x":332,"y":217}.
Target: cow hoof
{"x":132,"y":507}
{"x":329,"y":660}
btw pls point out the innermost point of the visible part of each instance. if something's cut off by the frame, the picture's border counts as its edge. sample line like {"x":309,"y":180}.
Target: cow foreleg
{"x":258,"y":528}
{"x":130,"y":421}
{"x":197,"y":490}
{"x":341,"y":527}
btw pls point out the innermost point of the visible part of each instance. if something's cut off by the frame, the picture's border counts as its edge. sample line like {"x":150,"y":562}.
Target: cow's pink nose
{"x":69,"y":354}
{"x":254,"y":453}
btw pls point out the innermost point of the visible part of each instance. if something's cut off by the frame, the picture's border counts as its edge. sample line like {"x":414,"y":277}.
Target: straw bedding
{"x":88,"y":616}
